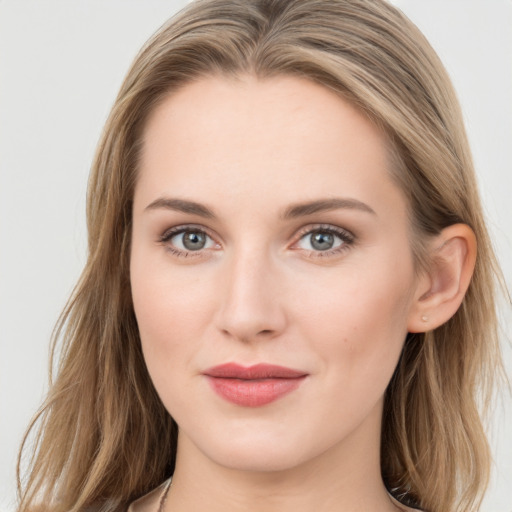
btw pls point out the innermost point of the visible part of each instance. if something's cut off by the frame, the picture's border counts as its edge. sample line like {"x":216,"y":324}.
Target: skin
{"x":259,"y":291}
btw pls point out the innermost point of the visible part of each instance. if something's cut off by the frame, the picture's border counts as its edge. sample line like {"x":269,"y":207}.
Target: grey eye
{"x":191,"y":240}
{"x":322,"y":241}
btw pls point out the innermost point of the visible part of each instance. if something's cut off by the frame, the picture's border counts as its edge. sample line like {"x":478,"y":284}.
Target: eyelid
{"x":174,"y":230}
{"x":321,"y":226}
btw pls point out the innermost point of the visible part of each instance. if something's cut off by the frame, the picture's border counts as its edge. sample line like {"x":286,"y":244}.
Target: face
{"x":271,"y":270}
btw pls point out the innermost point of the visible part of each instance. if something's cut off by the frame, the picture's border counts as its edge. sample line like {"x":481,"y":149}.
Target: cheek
{"x":171,"y":323}
{"x":358,"y":322}
{"x":172,"y":310}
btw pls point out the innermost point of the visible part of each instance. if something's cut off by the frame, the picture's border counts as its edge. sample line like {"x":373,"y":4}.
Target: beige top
{"x":149,"y":502}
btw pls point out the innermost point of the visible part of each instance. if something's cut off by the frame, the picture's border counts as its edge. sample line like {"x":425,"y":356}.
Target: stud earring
{"x":424,"y":318}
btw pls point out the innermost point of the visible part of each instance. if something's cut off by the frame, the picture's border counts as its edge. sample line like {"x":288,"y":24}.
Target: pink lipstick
{"x":253,"y":386}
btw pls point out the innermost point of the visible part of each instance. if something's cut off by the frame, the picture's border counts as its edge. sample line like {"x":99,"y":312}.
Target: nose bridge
{"x":251,"y":305}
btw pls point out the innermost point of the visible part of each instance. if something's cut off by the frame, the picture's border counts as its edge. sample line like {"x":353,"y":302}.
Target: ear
{"x":442,"y":287}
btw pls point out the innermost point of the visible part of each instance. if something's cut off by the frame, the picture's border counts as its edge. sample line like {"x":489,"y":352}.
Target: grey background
{"x":61,"y":64}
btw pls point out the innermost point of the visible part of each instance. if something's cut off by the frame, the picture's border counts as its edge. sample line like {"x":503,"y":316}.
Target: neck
{"x":346,"y":477}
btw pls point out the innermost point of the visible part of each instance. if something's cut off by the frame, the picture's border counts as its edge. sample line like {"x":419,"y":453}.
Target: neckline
{"x":168,"y":484}
{"x":163,"y":498}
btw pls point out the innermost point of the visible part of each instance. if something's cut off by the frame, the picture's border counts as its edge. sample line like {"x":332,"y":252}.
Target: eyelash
{"x":346,"y":237}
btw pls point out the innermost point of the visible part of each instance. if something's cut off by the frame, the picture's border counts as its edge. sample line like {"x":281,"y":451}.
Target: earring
{"x":424,"y":318}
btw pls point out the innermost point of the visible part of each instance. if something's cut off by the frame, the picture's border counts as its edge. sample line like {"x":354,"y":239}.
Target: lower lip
{"x":253,"y":393}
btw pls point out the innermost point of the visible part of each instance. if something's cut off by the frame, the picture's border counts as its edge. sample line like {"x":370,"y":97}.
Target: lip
{"x":253,"y":386}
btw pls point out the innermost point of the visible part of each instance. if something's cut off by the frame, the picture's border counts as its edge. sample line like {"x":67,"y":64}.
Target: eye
{"x":190,"y":240}
{"x":185,"y":240}
{"x":326,"y":240}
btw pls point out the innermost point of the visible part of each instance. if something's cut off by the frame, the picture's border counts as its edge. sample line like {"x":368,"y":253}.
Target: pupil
{"x":193,"y":240}
{"x":322,"y":241}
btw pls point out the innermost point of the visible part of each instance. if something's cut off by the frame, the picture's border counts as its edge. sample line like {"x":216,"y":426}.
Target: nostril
{"x":246,"y":336}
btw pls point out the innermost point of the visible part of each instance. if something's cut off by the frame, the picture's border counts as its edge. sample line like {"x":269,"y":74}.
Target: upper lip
{"x":257,"y":371}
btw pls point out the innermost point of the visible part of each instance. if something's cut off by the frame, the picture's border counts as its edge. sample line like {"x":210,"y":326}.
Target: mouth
{"x":253,"y":386}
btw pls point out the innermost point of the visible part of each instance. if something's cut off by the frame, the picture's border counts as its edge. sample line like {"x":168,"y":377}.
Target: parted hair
{"x":103,"y":438}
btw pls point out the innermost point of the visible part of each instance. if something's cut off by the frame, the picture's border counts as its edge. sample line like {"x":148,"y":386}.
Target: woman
{"x":284,"y":305}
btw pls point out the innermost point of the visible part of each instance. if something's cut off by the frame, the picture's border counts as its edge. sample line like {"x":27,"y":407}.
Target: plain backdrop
{"x":61,"y":63}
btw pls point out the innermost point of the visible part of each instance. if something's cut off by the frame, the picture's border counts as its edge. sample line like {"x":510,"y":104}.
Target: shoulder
{"x":149,"y":502}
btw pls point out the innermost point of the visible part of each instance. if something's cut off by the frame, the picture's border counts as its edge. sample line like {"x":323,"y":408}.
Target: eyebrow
{"x":292,"y":212}
{"x":323,"y":205}
{"x":181,"y":205}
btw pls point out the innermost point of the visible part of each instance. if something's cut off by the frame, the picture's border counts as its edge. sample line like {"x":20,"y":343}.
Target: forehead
{"x":285,"y":138}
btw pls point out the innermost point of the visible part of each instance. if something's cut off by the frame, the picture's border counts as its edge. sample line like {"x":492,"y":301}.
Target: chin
{"x":252,"y":452}
{"x":258,"y":460}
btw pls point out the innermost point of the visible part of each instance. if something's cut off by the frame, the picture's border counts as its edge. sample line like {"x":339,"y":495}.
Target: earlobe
{"x":441,"y":289}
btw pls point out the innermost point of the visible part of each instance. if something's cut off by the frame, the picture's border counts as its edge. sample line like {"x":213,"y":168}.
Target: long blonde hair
{"x":104,"y":437}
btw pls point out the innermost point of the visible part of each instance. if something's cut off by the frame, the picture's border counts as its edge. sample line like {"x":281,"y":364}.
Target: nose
{"x":251,"y":305}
